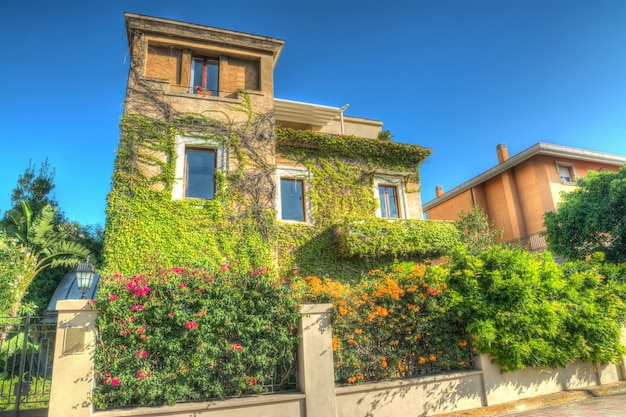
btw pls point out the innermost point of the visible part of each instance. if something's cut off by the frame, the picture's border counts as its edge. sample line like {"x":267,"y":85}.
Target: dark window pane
{"x":388,"y":199}
{"x":200,"y":175}
{"x":292,"y":199}
{"x":196,"y":73}
{"x":211,"y":77}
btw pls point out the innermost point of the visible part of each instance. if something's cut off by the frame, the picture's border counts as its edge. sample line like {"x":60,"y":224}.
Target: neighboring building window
{"x":388,"y":198}
{"x":292,"y":199}
{"x":204,"y":76}
{"x":293,"y":188}
{"x":200,"y":173}
{"x":567,"y":173}
{"x":197,"y":161}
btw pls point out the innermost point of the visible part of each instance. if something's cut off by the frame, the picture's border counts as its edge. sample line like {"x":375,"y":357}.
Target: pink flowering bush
{"x":184,"y":335}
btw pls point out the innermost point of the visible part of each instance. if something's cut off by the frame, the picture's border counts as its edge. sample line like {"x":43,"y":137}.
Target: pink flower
{"x":190,"y":325}
{"x":139,"y":291}
{"x":170,"y":314}
{"x":91,"y":302}
{"x":115,"y":382}
{"x":235,"y":346}
{"x":142,"y":375}
{"x":182,"y":285}
{"x":142,"y":354}
{"x":224,"y":267}
{"x":136,"y":307}
{"x":112,"y":297}
{"x":431,"y":291}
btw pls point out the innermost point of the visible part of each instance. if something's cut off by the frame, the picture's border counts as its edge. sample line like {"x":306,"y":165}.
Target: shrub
{"x":396,"y":239}
{"x":524,"y":311}
{"x":178,"y":334}
{"x":393,"y":324}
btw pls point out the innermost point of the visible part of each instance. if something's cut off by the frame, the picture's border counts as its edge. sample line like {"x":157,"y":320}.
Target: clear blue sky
{"x":456,"y":76}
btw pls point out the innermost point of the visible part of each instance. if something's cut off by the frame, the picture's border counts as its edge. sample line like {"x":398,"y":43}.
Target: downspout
{"x":344,"y":108}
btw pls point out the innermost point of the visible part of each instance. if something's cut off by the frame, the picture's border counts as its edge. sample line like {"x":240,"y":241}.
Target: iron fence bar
{"x":20,"y":379}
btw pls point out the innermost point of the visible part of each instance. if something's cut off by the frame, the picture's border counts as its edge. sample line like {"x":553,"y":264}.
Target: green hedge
{"x":386,"y":238}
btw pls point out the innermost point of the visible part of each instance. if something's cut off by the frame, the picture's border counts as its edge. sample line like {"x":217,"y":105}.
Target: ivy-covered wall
{"x":145,"y":226}
{"x":342,"y":174}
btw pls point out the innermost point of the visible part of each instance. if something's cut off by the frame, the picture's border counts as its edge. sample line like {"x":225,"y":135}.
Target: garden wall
{"x":317,"y":396}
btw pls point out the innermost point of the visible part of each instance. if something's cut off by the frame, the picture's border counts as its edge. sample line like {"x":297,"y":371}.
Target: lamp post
{"x":84,"y":276}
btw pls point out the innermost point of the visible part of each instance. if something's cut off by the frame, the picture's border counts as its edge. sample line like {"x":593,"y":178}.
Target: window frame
{"x":398,"y":182}
{"x":570,"y":168}
{"x":300,"y":174}
{"x":205,"y":60}
{"x":182,"y":143}
{"x":187,"y":180}
{"x":388,"y":201}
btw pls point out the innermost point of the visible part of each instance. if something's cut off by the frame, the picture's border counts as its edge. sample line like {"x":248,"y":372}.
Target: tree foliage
{"x":42,"y":245}
{"x":530,"y":312}
{"x":36,"y":189}
{"x":477,"y":233}
{"x":591,"y":218}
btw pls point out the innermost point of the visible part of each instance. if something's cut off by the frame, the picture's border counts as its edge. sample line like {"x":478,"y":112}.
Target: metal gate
{"x":26,"y":354}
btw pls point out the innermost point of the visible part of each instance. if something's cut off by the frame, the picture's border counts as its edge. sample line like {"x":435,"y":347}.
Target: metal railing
{"x":26,"y":356}
{"x":532,"y":243}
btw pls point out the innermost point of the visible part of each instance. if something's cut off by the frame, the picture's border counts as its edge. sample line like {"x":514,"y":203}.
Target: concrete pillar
{"x":73,"y":368}
{"x":316,"y":374}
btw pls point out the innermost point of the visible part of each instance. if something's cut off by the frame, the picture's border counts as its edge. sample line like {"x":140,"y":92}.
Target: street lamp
{"x":84,"y":276}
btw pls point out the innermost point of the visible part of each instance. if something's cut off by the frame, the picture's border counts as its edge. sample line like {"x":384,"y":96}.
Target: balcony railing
{"x":532,"y":243}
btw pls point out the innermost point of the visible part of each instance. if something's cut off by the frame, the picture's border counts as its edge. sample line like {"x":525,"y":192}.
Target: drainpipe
{"x":342,"y":110}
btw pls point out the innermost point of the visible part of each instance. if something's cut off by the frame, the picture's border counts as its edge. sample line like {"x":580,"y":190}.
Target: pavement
{"x":544,"y":405}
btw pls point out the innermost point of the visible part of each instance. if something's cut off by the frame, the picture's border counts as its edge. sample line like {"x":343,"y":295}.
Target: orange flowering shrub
{"x":392,"y":324}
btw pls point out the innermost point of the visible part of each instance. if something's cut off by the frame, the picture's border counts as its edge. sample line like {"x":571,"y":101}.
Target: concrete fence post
{"x":72,"y":370}
{"x":316,"y":374}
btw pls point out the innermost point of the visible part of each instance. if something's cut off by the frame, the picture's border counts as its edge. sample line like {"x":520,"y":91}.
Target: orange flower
{"x":335,"y":343}
{"x":463,"y":343}
{"x":358,"y":331}
{"x":432,"y":357}
{"x":383,"y":362}
{"x":417,"y":336}
{"x":352,"y":342}
{"x":422,"y":361}
{"x":352,"y":380}
{"x":394,"y":342}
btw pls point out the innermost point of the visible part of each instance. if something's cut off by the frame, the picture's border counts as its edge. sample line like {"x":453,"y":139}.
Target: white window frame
{"x":570,"y":167}
{"x":297,"y":173}
{"x":393,"y":181}
{"x":181,"y":144}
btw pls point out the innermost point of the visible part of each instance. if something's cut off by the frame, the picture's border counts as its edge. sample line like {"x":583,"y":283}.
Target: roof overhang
{"x":540,"y":148}
{"x":202,"y":34}
{"x":306,"y":113}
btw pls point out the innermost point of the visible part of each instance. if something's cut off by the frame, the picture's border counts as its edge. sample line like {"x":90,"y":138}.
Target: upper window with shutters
{"x":201,"y":72}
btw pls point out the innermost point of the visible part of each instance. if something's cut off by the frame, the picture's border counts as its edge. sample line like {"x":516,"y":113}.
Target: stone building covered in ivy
{"x":212,"y":168}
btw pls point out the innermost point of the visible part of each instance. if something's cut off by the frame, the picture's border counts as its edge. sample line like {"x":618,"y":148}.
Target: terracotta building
{"x":520,"y":189}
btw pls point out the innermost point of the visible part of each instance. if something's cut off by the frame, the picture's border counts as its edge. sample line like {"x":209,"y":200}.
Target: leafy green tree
{"x":43,"y":245}
{"x":476,"y":231}
{"x":36,"y":189}
{"x":591,"y":218}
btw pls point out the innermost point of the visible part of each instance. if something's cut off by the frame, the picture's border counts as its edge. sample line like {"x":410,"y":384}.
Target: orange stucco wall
{"x":516,"y":199}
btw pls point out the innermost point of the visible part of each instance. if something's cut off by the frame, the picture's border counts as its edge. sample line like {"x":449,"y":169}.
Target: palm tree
{"x":44,"y":243}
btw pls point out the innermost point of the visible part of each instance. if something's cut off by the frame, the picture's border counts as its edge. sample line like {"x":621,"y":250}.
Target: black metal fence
{"x":26,"y":355}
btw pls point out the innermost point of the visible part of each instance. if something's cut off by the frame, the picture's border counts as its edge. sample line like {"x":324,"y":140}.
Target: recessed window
{"x":293,"y":187}
{"x":204,"y":76}
{"x":292,"y":199}
{"x":566,"y":172}
{"x":200,"y":173}
{"x":197,"y":162}
{"x":388,"y":199}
